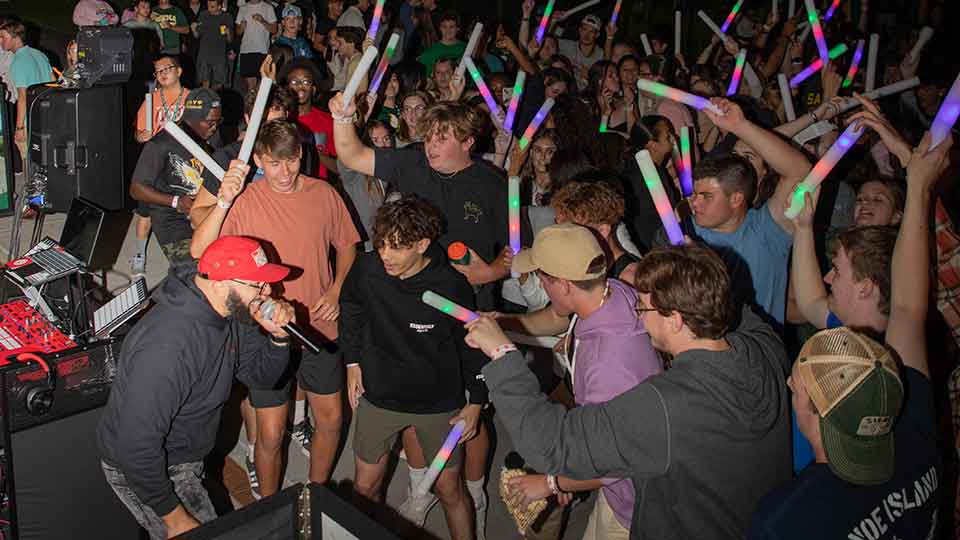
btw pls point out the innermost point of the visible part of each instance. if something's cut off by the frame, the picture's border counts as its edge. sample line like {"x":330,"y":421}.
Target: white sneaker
{"x":138,"y":264}
{"x":480,"y":509}
{"x":415,"y":509}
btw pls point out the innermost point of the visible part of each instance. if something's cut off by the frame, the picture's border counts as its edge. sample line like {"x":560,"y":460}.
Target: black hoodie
{"x":413,"y":356}
{"x":174,"y":374}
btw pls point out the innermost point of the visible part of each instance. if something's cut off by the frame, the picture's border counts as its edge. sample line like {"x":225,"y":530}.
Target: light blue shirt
{"x":756,"y":254}
{"x":30,"y":67}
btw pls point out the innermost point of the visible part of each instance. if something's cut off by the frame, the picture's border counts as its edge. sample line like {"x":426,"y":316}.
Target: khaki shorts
{"x":377,"y":430}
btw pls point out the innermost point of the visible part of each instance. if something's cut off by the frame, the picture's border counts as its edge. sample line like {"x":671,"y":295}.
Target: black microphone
{"x":268,"y":307}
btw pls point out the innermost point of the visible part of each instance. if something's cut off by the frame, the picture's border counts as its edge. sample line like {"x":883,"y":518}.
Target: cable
{"x":25,"y":357}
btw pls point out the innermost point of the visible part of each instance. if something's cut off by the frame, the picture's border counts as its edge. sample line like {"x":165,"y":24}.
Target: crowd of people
{"x":767,"y":377}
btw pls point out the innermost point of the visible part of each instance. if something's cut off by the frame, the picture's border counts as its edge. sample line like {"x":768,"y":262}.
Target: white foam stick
{"x":148,"y":113}
{"x":814,"y":131}
{"x":804,"y":34}
{"x":677,"y":32}
{"x":369,"y":56}
{"x":926,"y":34}
{"x":256,"y":115}
{"x":787,"y":96}
{"x":775,"y":7}
{"x":872,"y":52}
{"x":753,"y":81}
{"x":791,"y":8}
{"x":647,"y":49}
{"x":712,"y":25}
{"x":881,"y":92}
{"x":545,"y":342}
{"x":581,"y":7}
{"x":468,"y":52}
{"x":181,"y":136}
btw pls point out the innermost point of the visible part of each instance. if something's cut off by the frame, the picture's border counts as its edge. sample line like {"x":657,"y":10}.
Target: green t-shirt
{"x":172,"y":16}
{"x":439,"y":50}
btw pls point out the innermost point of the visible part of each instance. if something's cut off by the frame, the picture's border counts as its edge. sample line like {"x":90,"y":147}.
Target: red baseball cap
{"x":236,"y":257}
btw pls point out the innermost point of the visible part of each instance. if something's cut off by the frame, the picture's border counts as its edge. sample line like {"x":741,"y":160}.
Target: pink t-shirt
{"x":94,"y":13}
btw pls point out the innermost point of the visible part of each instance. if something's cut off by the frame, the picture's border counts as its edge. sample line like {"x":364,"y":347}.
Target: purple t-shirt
{"x":612,"y":354}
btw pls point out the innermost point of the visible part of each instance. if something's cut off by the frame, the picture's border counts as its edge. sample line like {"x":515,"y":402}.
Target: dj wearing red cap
{"x":175,"y":372}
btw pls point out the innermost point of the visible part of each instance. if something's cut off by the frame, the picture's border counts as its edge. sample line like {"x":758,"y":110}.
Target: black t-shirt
{"x":818,"y":504}
{"x":166,"y":166}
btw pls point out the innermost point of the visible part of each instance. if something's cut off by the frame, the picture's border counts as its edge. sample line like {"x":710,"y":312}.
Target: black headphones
{"x":39,"y":399}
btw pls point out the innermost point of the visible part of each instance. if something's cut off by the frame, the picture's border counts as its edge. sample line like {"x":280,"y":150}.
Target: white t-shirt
{"x":256,"y":38}
{"x":581,"y":62}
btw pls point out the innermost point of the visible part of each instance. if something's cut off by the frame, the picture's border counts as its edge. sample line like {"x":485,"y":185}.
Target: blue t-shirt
{"x":819,"y":504}
{"x":301,"y":49}
{"x":30,"y":67}
{"x":756,"y":256}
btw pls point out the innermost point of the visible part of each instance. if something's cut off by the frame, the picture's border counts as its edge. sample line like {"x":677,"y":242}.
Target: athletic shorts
{"x":249,"y":64}
{"x":317,"y":373}
{"x":377,"y":430}
{"x":213,"y":72}
{"x":142,"y":210}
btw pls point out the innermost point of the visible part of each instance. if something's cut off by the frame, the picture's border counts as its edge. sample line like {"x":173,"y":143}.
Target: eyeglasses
{"x":259,"y":287}
{"x":640,"y":311}
{"x":301,"y":82}
{"x":415,"y":109}
{"x":163,"y":70}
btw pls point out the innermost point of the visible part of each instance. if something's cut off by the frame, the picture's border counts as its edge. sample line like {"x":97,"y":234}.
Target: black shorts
{"x":317,"y":373}
{"x":249,"y":64}
{"x":142,"y":210}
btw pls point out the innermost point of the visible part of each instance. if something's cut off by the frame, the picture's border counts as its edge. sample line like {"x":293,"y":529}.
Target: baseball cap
{"x":290,"y":10}
{"x":855,"y":384}
{"x":564,"y":251}
{"x":593,"y":21}
{"x":236,"y":257}
{"x":199,"y":102}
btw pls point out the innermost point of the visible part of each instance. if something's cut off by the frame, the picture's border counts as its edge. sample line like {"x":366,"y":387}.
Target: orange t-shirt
{"x":297,"y":229}
{"x":174,"y":100}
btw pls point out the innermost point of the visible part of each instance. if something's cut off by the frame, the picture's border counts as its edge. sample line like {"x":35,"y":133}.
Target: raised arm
{"x":527,"y":10}
{"x":350,"y":150}
{"x":910,"y":268}
{"x":805,"y":278}
{"x":208,"y":229}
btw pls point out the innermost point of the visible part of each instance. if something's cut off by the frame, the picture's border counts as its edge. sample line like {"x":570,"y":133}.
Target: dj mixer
{"x":24,"y":329}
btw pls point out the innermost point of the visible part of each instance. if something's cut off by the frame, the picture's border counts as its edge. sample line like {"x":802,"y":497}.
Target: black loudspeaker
{"x":76,"y":146}
{"x":106,"y":53}
{"x":52,"y":481}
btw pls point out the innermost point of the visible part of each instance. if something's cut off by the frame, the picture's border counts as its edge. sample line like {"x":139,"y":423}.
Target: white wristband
{"x":223,"y":204}
{"x":175,"y":201}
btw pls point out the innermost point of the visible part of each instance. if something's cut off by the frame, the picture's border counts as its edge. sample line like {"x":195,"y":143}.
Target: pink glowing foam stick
{"x":731,"y":16}
{"x":384,"y":63}
{"x":817,"y":65}
{"x":375,"y":22}
{"x":854,"y":65}
{"x":686,"y":156}
{"x":534,"y":125}
{"x":616,"y":12}
{"x":513,"y":213}
{"x":737,"y":73}
{"x":495,"y":111}
{"x":515,"y":99}
{"x":652,"y":180}
{"x":542,"y":28}
{"x":823,"y":167}
{"x":831,"y":10}
{"x":946,"y":116}
{"x":814,"y":21}
{"x":673,"y":94}
{"x":449,"y":307}
{"x":443,"y":455}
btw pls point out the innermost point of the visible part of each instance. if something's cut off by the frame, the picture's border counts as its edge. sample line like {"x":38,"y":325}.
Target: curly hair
{"x":406,"y":221}
{"x":693,"y":281}
{"x":462,"y":119}
{"x":593,"y":203}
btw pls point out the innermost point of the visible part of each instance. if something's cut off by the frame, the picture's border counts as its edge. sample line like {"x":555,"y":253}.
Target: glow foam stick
{"x":148,"y":113}
{"x":535,"y":123}
{"x":712,"y":25}
{"x":831,"y":10}
{"x":814,"y":21}
{"x":737,"y":72}
{"x":881,"y":92}
{"x":542,"y":28}
{"x":513,"y":214}
{"x":353,"y":85}
{"x":253,"y":126}
{"x":384,"y":63}
{"x":468,"y":52}
{"x":817,"y":65}
{"x":787,"y":96}
{"x":181,"y":136}
{"x":823,"y":167}
{"x":731,"y":16}
{"x":946,"y":116}
{"x":515,"y":99}
{"x":375,"y":22}
{"x":872,"y":52}
{"x":673,"y":94}
{"x":616,"y":12}
{"x":926,"y":34}
{"x":581,"y":7}
{"x":677,"y":31}
{"x":686,"y":158}
{"x":449,"y":307}
{"x":791,"y":8}
{"x":652,"y":179}
{"x":854,"y":65}
{"x":441,"y":458}
{"x":495,"y":111}
{"x":775,"y":7}
{"x":647,"y":49}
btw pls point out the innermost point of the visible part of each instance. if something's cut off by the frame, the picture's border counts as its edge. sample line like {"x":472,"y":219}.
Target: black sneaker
{"x":302,"y":432}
